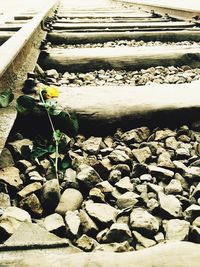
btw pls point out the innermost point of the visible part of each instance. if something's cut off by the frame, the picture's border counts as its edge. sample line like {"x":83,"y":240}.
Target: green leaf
{"x":57,"y":135}
{"x":25,"y":104}
{"x":65,"y":164}
{"x":51,"y":149}
{"x":6,"y":97}
{"x":39,"y":152}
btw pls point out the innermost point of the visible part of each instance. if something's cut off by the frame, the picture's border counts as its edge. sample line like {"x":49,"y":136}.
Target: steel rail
{"x":18,"y":56}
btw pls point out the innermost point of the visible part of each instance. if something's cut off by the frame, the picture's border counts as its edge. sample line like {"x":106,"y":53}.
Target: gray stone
{"x":119,"y":156}
{"x":159,"y":237}
{"x":86,"y":243}
{"x":70,"y":179}
{"x":10,"y":175}
{"x":192,"y":212}
{"x":32,"y":204}
{"x":161,"y":173}
{"x":114,"y":247}
{"x":31,"y":235}
{"x":114,"y":176}
{"x":154,"y":188}
{"x":96,"y":195}
{"x":176,"y":229}
{"x":88,"y":225}
{"x":50,"y":195}
{"x":73,"y":223}
{"x":17,"y":145}
{"x":88,"y":176}
{"x":52,"y":73}
{"x":103,"y":213}
{"x":146,"y":178}
{"x":152,"y":204}
{"x":92,"y":145}
{"x":6,"y":159}
{"x":164,"y":160}
{"x":34,"y":176}
{"x":182,"y":153}
{"x":163,"y":134}
{"x":123,"y":168}
{"x":118,"y":232}
{"x":126,"y":200}
{"x":174,"y":187}
{"x":196,"y":222}
{"x":195,"y":234}
{"x":4,"y":200}
{"x":138,"y":135}
{"x":142,"y":154}
{"x":11,"y":220}
{"x":54,"y":223}
{"x":143,"y":222}
{"x":105,"y":187}
{"x":170,"y":205}
{"x":143,"y":241}
{"x":29,"y":189}
{"x":171,"y":143}
{"x":124,"y":184}
{"x":71,"y":199}
{"x":196,"y":192}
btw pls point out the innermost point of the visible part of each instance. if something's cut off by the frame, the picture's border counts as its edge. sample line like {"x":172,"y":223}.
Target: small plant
{"x":57,"y":148}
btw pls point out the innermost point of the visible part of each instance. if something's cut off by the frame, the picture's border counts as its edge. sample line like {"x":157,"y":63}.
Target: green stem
{"x":56,"y":141}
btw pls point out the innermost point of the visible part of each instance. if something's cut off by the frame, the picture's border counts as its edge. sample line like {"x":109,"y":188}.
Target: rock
{"x":10,"y":175}
{"x":34,"y":176}
{"x":114,"y":247}
{"x":174,"y":187}
{"x":4,"y":201}
{"x":191,"y":173}
{"x":154,"y":188}
{"x":143,"y":241}
{"x":16,"y":147}
{"x":171,"y":143}
{"x":115,"y":176}
{"x":195,"y":234}
{"x":11,"y":220}
{"x":163,"y":134}
{"x":88,"y":176}
{"x":52,"y":73}
{"x":169,"y":205}
{"x":23,"y":165}
{"x":88,"y":225}
{"x":32,"y":204}
{"x":119,"y":156}
{"x":164,"y":160}
{"x":146,"y":178}
{"x":86,"y":243}
{"x":29,"y":189}
{"x":137,"y":135}
{"x":142,"y":154}
{"x":159,"y":237}
{"x":54,"y":223}
{"x":152,"y":204}
{"x":143,"y":222}
{"x":50,"y":195}
{"x":105,"y":187}
{"x":123,"y":168}
{"x":124,"y":184}
{"x":126,"y":200}
{"x":196,"y":222}
{"x":71,"y":200}
{"x":92,"y":145}
{"x":103,"y":213}
{"x":70,"y":180}
{"x":6,"y":158}
{"x":161,"y":173}
{"x":182,"y":153}
{"x":192,"y":212}
{"x":196,"y":192}
{"x":118,"y":232}
{"x":176,"y":229}
{"x":73,"y":222}
{"x":182,"y":180}
{"x":96,"y":195}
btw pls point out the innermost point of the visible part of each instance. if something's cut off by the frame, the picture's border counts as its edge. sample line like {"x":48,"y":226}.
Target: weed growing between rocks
{"x":58,"y":145}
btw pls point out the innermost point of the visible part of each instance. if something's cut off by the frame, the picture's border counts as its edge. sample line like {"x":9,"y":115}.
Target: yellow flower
{"x":51,"y":91}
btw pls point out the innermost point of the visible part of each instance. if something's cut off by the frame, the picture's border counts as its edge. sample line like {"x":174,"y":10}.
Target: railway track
{"x":117,"y":64}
